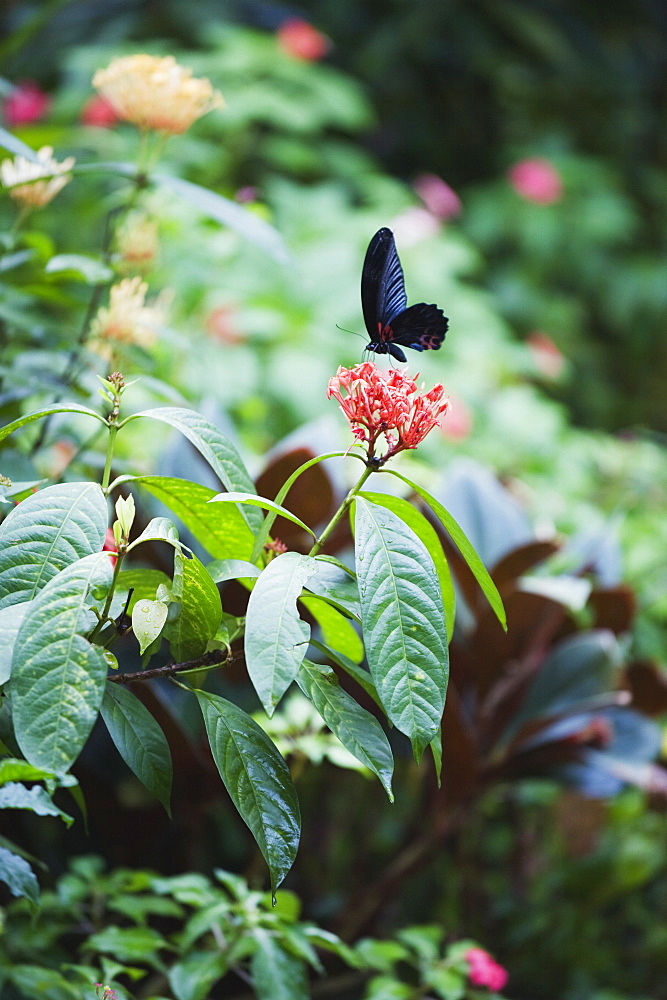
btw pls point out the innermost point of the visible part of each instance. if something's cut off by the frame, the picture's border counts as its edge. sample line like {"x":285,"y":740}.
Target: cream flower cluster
{"x":35,"y":184}
{"x":127,"y":319}
{"x":156,"y":93}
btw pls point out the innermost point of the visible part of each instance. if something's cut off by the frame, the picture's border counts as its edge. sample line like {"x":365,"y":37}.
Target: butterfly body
{"x":390,"y":322}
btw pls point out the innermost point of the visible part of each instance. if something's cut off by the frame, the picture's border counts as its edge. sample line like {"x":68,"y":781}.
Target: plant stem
{"x":319,"y":542}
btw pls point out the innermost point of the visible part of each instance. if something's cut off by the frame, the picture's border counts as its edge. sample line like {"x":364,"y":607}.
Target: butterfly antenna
{"x":353,"y":332}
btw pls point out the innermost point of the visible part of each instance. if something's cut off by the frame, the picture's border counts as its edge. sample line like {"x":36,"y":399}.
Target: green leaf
{"x":14,"y":769}
{"x":158,"y":529}
{"x":458,"y":536}
{"x":358,"y":673}
{"x":276,"y":638}
{"x":276,"y":974}
{"x":47,"y":411}
{"x":199,"y":614}
{"x":18,"y":875}
{"x":257,"y":779}
{"x":429,"y":536}
{"x":358,"y":730}
{"x":10,"y":623}
{"x":337,"y":630}
{"x":129,"y":944}
{"x":214,"y":447}
{"x":57,"y":675}
{"x":139,"y":740}
{"x":223,"y":532}
{"x":222,"y":570}
{"x":403,"y":622}
{"x":229,"y":213}
{"x":193,"y":977}
{"x":144,"y":582}
{"x":13,"y":795}
{"x":47,"y":532}
{"x":88,"y":269}
{"x":255,"y":501}
{"x":148,"y":618}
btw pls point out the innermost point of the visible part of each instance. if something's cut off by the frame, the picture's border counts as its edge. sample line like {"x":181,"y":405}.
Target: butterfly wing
{"x":382,"y":284}
{"x":421,"y":327}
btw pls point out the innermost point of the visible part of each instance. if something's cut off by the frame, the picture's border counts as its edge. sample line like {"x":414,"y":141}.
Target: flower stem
{"x":344,"y":507}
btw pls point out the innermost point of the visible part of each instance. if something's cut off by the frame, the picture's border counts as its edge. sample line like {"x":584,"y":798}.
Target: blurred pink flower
{"x":458,"y":424}
{"x":536,"y":180}
{"x":414,"y":225}
{"x":484,"y":971}
{"x":221,"y":326}
{"x":300,"y":39}
{"x":549,"y":361}
{"x":27,"y":103}
{"x":441,"y":200}
{"x":98,"y":113}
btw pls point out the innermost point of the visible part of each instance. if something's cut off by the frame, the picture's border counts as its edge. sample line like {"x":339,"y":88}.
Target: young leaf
{"x":214,"y":447}
{"x":199,"y":614}
{"x":148,"y":618}
{"x":357,"y":729}
{"x":276,"y":638}
{"x":142,"y":581}
{"x":424,"y":530}
{"x":57,"y":675}
{"x":14,"y":795}
{"x":403,"y":622}
{"x":257,"y":779}
{"x":456,"y":533}
{"x":276,"y":973}
{"x":222,"y":570}
{"x":139,"y":740}
{"x":47,"y":532}
{"x":18,"y":875}
{"x":223,"y":532}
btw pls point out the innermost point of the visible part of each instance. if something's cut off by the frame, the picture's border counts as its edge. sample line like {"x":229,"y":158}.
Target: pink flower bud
{"x":536,"y":180}
{"x":300,"y":39}
{"x":27,"y":103}
{"x":484,"y":971}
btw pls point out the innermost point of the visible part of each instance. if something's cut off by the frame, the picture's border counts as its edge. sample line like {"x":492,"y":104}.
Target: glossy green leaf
{"x":17,"y":874}
{"x":47,"y":532}
{"x":257,"y":779}
{"x":276,"y":638}
{"x":337,"y":630}
{"x":456,"y":533}
{"x":142,"y":581}
{"x":10,"y":623}
{"x":276,"y":973}
{"x":158,"y":529}
{"x":424,"y":530}
{"x":139,"y":740}
{"x":223,"y":532}
{"x":15,"y":769}
{"x":220,"y":453}
{"x":403,"y":622}
{"x":358,"y":673}
{"x":47,"y":411}
{"x":254,"y":501}
{"x":198,"y":613}
{"x":15,"y":795}
{"x":358,"y":730}
{"x":228,"y":213}
{"x":57,"y":675}
{"x":129,"y":944}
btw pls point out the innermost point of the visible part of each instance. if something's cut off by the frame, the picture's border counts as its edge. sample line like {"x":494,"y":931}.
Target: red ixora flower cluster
{"x":484,"y":970}
{"x":387,"y":403}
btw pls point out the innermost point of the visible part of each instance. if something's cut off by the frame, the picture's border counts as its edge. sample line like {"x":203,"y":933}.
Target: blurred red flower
{"x":300,"y":39}
{"x":549,"y":361}
{"x":484,"y":971}
{"x":110,"y":546}
{"x":536,"y":180}
{"x":98,"y":113}
{"x":27,"y":103}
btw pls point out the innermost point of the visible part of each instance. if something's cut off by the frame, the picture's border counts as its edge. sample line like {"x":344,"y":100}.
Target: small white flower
{"x":35,"y":184}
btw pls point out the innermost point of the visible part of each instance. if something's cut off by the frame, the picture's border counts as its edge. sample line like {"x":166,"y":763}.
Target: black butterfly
{"x":388,"y":318}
